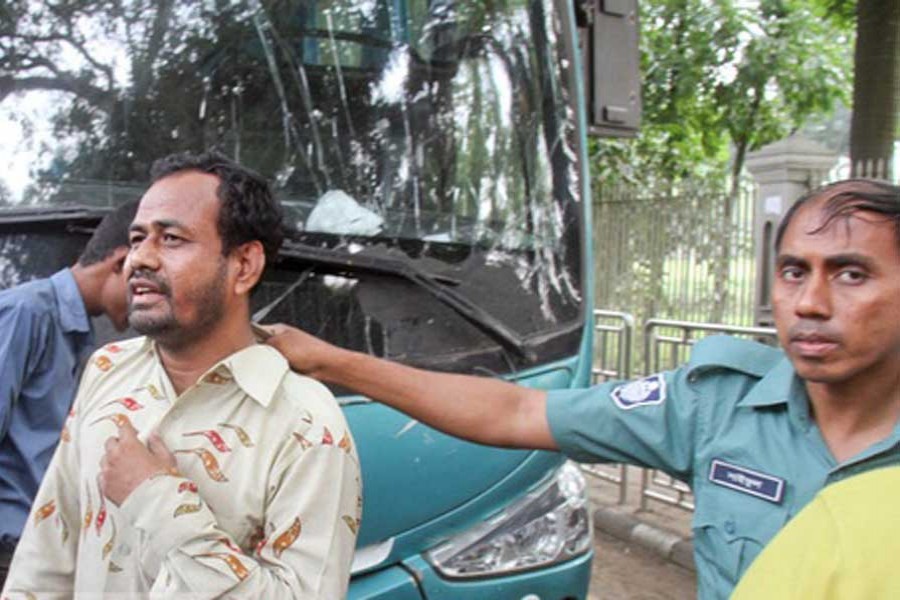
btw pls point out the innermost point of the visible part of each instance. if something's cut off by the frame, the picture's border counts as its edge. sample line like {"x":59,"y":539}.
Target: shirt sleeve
{"x":651,"y":422}
{"x":311,"y":524}
{"x":45,"y":558}
{"x":19,"y":341}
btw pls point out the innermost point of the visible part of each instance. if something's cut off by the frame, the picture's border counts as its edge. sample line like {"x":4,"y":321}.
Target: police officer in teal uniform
{"x":755,"y":431}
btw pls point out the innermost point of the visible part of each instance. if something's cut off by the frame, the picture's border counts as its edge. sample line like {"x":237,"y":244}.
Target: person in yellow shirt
{"x":194,"y":463}
{"x":841,"y":546}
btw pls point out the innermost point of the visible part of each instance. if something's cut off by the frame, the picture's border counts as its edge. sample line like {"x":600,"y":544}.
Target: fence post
{"x":784,"y":171}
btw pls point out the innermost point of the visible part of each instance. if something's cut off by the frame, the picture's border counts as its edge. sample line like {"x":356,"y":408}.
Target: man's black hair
{"x":248,"y":210}
{"x":844,"y":198}
{"x":111,"y":234}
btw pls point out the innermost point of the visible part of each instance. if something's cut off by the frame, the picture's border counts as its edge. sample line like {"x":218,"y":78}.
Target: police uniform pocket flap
{"x":743,"y":523}
{"x":741,"y":502}
{"x":732,"y":524}
{"x":732,"y":533}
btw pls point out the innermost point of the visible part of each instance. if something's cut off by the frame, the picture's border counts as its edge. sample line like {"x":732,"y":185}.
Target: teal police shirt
{"x":735,"y":425}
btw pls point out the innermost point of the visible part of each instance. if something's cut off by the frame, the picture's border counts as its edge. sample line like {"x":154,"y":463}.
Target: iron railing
{"x":666,"y":345}
{"x":613,"y":344}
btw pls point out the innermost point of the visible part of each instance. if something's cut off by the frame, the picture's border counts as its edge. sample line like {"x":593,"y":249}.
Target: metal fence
{"x":665,"y":345}
{"x":681,"y":251}
{"x":613,"y":349}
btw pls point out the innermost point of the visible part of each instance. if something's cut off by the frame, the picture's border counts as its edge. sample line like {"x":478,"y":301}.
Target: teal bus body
{"x":469,"y":175}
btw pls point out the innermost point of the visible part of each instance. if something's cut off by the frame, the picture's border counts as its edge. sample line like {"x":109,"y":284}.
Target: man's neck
{"x":184,"y":364}
{"x":854,"y":414}
{"x":88,"y":280}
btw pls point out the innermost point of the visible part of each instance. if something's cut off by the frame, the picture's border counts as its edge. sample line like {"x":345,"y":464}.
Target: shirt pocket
{"x":730,"y":534}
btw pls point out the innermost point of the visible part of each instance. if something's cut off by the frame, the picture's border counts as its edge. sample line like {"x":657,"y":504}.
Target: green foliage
{"x":724,"y":78}
{"x":842,"y":12}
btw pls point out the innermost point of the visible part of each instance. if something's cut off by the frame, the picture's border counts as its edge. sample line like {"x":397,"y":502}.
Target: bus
{"x":431,"y":157}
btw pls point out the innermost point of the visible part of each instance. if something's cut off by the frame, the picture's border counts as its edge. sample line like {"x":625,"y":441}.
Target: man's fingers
{"x":111,"y":442}
{"x":275,"y":328}
{"x":159,"y":449}
{"x":126,"y":430}
{"x":279,"y":335}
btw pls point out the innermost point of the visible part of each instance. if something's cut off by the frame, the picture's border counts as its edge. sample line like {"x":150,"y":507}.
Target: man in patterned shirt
{"x":193,"y":461}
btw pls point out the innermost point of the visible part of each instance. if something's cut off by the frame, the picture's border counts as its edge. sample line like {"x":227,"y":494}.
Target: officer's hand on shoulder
{"x":305,"y":353}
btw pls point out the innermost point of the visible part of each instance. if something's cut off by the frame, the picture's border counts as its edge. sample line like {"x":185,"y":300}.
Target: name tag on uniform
{"x":748,"y":481}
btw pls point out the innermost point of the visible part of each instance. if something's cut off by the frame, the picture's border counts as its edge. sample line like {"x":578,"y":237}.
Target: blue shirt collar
{"x":72,"y":313}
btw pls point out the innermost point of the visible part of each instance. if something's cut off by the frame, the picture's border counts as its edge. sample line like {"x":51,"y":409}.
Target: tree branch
{"x":98,"y":98}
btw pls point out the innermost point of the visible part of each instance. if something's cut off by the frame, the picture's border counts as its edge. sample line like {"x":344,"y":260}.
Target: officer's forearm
{"x":487,"y":411}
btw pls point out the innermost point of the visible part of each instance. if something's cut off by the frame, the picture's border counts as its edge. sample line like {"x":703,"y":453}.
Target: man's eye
{"x":791,"y":274}
{"x":170,"y":238}
{"x":135,"y":240}
{"x":852,"y":276}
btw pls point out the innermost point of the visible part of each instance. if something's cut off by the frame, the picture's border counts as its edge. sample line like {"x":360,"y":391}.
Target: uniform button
{"x":729,"y":527}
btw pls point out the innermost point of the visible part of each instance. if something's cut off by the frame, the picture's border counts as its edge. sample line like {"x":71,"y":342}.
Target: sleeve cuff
{"x":559,"y":414}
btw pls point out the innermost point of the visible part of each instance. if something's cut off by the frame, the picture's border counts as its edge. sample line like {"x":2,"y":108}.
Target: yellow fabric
{"x":268,"y":505}
{"x":843,"y":545}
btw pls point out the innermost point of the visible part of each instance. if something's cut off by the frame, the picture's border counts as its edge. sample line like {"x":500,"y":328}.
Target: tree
{"x":5,"y":194}
{"x":876,"y":90}
{"x":723,"y":78}
{"x":875,"y":121}
{"x":720,"y":80}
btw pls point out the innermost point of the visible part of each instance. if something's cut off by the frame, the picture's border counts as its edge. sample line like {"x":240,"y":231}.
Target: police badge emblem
{"x":642,"y":392}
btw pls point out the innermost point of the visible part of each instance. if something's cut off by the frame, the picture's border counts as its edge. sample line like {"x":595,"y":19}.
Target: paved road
{"x":629,"y":571}
{"x":624,"y":571}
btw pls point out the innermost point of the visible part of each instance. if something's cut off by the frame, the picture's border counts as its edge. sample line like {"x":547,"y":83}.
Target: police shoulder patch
{"x":642,"y":392}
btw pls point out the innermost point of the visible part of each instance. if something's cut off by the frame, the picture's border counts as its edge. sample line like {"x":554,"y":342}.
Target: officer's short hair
{"x":110,"y":235}
{"x":843,"y":198}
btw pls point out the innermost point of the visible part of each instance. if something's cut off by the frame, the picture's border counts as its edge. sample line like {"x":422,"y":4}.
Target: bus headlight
{"x":551,"y":524}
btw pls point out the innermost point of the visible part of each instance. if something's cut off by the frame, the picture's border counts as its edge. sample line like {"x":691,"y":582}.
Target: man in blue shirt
{"x":45,"y":335}
{"x":754,"y":430}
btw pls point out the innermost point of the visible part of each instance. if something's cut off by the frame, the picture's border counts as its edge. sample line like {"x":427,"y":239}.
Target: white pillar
{"x":784,"y":171}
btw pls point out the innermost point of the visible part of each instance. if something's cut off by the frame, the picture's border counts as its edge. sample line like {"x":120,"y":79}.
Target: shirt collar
{"x":781,"y":386}
{"x":72,"y":313}
{"x":257,"y":369}
{"x":778,"y":386}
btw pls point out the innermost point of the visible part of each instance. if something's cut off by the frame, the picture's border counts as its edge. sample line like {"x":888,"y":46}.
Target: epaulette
{"x":736,"y":354}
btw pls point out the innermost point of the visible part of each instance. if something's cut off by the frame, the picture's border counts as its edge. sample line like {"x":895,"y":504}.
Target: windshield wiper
{"x":438,"y":286}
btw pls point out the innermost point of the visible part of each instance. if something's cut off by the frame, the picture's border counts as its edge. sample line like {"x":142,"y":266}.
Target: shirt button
{"x":729,"y":527}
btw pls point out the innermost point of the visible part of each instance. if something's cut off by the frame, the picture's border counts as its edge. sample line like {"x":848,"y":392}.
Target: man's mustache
{"x":151,"y":279}
{"x":813,"y":332}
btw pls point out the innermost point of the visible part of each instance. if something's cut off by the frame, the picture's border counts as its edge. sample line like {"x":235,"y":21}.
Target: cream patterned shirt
{"x":267,"y":505}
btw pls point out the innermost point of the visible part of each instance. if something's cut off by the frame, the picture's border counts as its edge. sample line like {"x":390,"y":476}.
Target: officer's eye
{"x":170,"y":238}
{"x":135,"y":238}
{"x":852,"y":276}
{"x":791,"y":274}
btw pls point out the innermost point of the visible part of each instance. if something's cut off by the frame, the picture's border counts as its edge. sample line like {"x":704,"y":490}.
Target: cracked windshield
{"x":429,"y":141}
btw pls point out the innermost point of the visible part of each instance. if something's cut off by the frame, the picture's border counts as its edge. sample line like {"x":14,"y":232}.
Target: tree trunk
{"x":876,"y":91}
